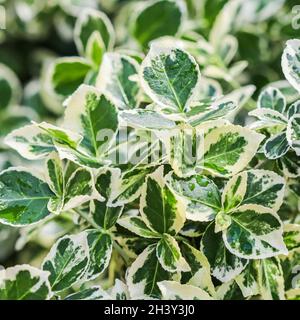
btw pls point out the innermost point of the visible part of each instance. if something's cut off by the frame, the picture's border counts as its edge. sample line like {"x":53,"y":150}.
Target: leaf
{"x":115,"y":77}
{"x":93,"y":116}
{"x":293,"y":109}
{"x":128,"y":186}
{"x":213,"y":112}
{"x":272,"y":98}
{"x":229,"y":291}
{"x":247,"y":280}
{"x":160,"y":209}
{"x":258,"y":187}
{"x":10,"y":87}
{"x":290,"y":269}
{"x":293,"y":133}
{"x":162,"y":73}
{"x":199,"y":275}
{"x":290,"y":63}
{"x":276,"y":146}
{"x":103,"y":214}
{"x":30,"y":142}
{"x":100,"y":249}
{"x":23,"y":197}
{"x":24,"y":282}
{"x":271,"y":279}
{"x":228,"y":149}
{"x":95,"y":49}
{"x":67,"y":261}
{"x":66,"y":75}
{"x":267,"y":118}
{"x":254,"y":233}
{"x":224,"y":265}
{"x":203,"y":199}
{"x":172,"y":290}
{"x":147,"y":119}
{"x":291,"y":236}
{"x":80,"y":189}
{"x":89,"y":23}
{"x":92,"y":293}
{"x":156,"y":19}
{"x":119,"y":291}
{"x":144,"y":275}
{"x":169,"y":255}
{"x":138,"y":226}
{"x":290,"y":164}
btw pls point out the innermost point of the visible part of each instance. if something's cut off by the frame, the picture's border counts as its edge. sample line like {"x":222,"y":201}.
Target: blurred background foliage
{"x":238,"y":42}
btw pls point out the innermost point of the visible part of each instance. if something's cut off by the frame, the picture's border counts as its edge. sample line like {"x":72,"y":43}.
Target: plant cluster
{"x":142,"y":168}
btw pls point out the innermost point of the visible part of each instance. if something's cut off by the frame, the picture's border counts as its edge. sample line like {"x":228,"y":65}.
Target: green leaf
{"x":10,"y":87}
{"x":203,"y":199}
{"x":169,"y":255}
{"x":24,"y":282}
{"x":103,"y":214}
{"x":92,"y":293}
{"x":229,"y":291}
{"x":95,"y":49}
{"x":55,"y":174}
{"x":293,"y":109}
{"x":290,"y":63}
{"x":276,"y":146}
{"x":272,"y":98}
{"x":144,"y":274}
{"x":172,"y":290}
{"x":138,"y":226}
{"x":128,"y":186}
{"x":248,"y":280}
{"x":67,"y":261}
{"x":271,"y":279}
{"x":224,"y":265}
{"x":255,"y":233}
{"x":147,"y":119}
{"x":119,"y":291}
{"x":93,"y":116}
{"x":258,"y":187}
{"x":160,"y":209}
{"x":199,"y":275}
{"x":116,"y":77}
{"x":67,"y":74}
{"x":80,"y":189}
{"x":290,"y":269}
{"x":293,"y":133}
{"x":156,"y":19}
{"x":162,"y":73}
{"x":100,"y":249}
{"x":89,"y":23}
{"x":291,"y":236}
{"x":184,"y":149}
{"x":290,"y":165}
{"x":268,"y":118}
{"x":215,"y":111}
{"x":23,"y":197}
{"x":229,"y":149}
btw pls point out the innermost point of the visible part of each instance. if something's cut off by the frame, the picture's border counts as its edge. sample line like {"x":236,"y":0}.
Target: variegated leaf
{"x":92,"y":293}
{"x":160,"y":209}
{"x":23,"y":197}
{"x":271,"y":281}
{"x":229,"y":149}
{"x":172,"y":290}
{"x":291,"y":236}
{"x":24,"y":282}
{"x":115,"y":77}
{"x":248,"y":280}
{"x":272,"y":98}
{"x":162,"y":73}
{"x":291,"y":63}
{"x":67,"y":261}
{"x":144,"y":275}
{"x":169,"y":255}
{"x":254,"y":233}
{"x":203,"y":199}
{"x":224,"y":265}
{"x":293,"y":133}
{"x":258,"y":187}
{"x":276,"y":146}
